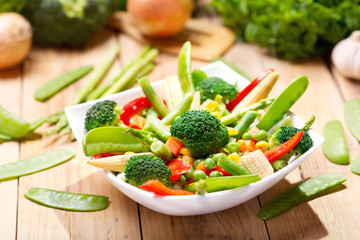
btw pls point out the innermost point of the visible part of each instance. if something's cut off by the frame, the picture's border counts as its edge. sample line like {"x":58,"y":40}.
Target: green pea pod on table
{"x":355,"y":166}
{"x":335,"y":147}
{"x":109,"y":139}
{"x":283,"y":103}
{"x":12,"y":125}
{"x":184,"y":68}
{"x":34,"y":164}
{"x":67,"y":201}
{"x":300,"y":193}
{"x":352,"y":117}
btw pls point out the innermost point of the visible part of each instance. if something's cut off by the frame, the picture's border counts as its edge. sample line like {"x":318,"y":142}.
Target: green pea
{"x":209,"y":163}
{"x":197,"y":161}
{"x":233,"y":147}
{"x":215,"y":174}
{"x":261,"y":136}
{"x":247,"y":136}
{"x":197,"y":175}
{"x":182,"y":180}
{"x":188,"y":174}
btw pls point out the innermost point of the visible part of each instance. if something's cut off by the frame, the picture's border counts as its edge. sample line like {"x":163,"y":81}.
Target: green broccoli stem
{"x":159,"y":128}
{"x":151,"y":113}
{"x":160,"y":150}
{"x":152,"y":96}
{"x":98,"y":92}
{"x":182,"y":107}
{"x":230,"y":166}
{"x":221,"y":183}
{"x":236,"y":115}
{"x":122,"y":81}
{"x":97,"y":77}
{"x":143,"y":72}
{"x":279,"y":164}
{"x":308,"y":124}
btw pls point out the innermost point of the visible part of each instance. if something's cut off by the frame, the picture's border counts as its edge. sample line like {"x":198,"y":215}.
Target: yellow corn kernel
{"x":129,"y":153}
{"x":232,"y":131}
{"x":262,"y":145}
{"x":209,"y":105}
{"x":235,"y":157}
{"x":257,"y":163}
{"x":240,"y":141}
{"x":184,"y":151}
{"x":216,"y":114}
{"x":188,"y":159}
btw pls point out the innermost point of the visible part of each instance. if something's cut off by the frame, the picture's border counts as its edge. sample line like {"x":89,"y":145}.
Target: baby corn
{"x":257,"y":163}
{"x":173,"y":92}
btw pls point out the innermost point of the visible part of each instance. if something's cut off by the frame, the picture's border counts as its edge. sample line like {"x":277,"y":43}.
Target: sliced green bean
{"x":151,"y":113}
{"x":248,"y":118}
{"x":182,"y":107}
{"x":283,"y":103}
{"x":143,"y":72}
{"x":335,"y":147}
{"x":352,"y":117}
{"x":230,"y":166}
{"x":300,"y":193}
{"x":232,"y":66}
{"x":34,"y":164}
{"x":12,"y":125}
{"x":184,"y":68}
{"x":308,"y":124}
{"x":286,"y":121}
{"x":37,"y":123}
{"x":109,"y":139}
{"x":159,"y":128}
{"x":160,"y":150}
{"x":355,"y":166}
{"x":152,"y":96}
{"x":56,"y":84}
{"x":67,"y":201}
{"x":97,"y":76}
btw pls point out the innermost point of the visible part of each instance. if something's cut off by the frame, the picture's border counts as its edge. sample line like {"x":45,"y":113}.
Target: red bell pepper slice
{"x":219,"y":169}
{"x":159,"y":188}
{"x":177,"y":168}
{"x":231,"y":105}
{"x":284,"y":148}
{"x":134,"y":107}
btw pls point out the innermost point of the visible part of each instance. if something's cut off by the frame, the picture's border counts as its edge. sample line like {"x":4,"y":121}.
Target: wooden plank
{"x":10,"y":92}
{"x":37,"y":222}
{"x":315,"y":219}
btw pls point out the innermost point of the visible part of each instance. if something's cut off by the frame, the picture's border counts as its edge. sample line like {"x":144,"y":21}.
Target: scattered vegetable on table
{"x":335,"y":147}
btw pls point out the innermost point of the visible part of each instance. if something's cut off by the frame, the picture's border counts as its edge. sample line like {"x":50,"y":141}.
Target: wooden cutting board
{"x":208,"y":40}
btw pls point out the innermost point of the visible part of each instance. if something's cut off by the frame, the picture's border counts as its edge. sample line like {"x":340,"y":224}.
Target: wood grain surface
{"x":332,"y":216}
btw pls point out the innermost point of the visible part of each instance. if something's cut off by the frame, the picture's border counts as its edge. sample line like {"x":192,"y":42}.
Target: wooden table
{"x":333,"y":216}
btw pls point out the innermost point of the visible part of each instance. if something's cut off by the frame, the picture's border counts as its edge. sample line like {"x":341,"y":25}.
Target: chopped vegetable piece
{"x":300,"y":193}
{"x":12,"y":125}
{"x":245,"y":122}
{"x":352,"y":117}
{"x":279,"y":164}
{"x":231,"y":167}
{"x":182,"y":107}
{"x":283,"y":103}
{"x":177,"y":168}
{"x":355,"y":166}
{"x":335,"y":147}
{"x":257,"y":163}
{"x":67,"y":201}
{"x":174,"y":145}
{"x":137,"y":122}
{"x":160,"y":150}
{"x":56,"y":84}
{"x":134,"y":107}
{"x":184,"y":68}
{"x":224,"y":183}
{"x":159,"y":188}
{"x":172,"y":94}
{"x":247,"y":145}
{"x":34,"y":164}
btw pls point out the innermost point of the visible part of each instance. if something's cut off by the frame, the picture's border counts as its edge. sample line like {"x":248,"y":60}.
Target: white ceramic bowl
{"x":194,"y":204}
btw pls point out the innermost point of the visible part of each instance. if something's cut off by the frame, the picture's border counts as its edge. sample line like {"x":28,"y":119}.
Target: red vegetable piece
{"x":159,"y":188}
{"x":241,"y":95}
{"x":134,"y":107}
{"x":219,"y":169}
{"x":177,"y":168}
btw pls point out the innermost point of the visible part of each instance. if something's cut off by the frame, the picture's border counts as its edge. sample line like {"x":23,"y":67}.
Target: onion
{"x":15,"y":39}
{"x":159,"y":18}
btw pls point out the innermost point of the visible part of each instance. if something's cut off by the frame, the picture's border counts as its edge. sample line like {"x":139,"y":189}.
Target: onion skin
{"x":159,"y":18}
{"x":15,"y":39}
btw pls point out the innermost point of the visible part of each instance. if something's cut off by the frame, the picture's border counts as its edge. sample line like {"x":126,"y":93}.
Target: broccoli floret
{"x":105,"y":113}
{"x":142,"y":168}
{"x":67,"y":22}
{"x":285,"y":133}
{"x":201,"y":132}
{"x":210,"y":87}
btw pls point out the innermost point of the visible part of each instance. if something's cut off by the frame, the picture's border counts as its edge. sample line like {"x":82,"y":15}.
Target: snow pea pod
{"x":355,"y":166}
{"x":300,"y":193}
{"x":335,"y":147}
{"x":283,"y":103}
{"x":352,"y":117}
{"x":12,"y":125}
{"x":56,"y":84}
{"x":67,"y":201}
{"x":34,"y":164}
{"x":109,"y":139}
{"x":184,"y":68}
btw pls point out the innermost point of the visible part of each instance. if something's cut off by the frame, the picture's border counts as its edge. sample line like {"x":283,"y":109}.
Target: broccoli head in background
{"x":201,"y":132}
{"x":284,"y":134}
{"x":142,"y":168}
{"x":105,"y":113}
{"x":210,"y":87}
{"x":67,"y":22}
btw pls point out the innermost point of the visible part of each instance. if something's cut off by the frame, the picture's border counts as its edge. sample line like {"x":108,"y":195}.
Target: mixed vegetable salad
{"x":204,"y":136}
